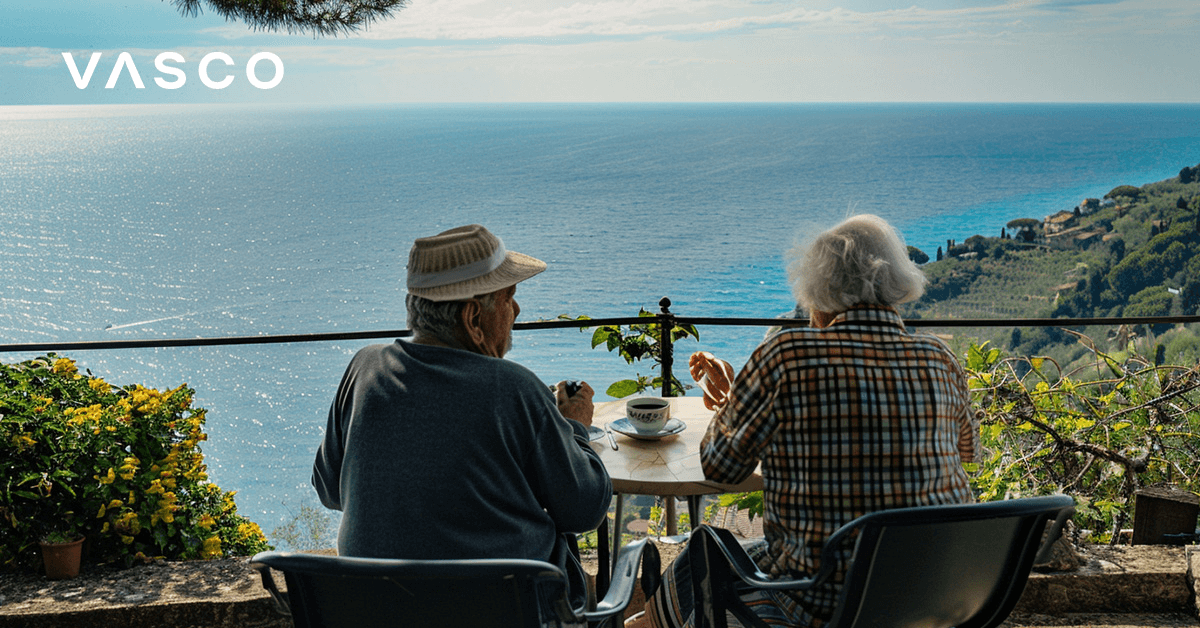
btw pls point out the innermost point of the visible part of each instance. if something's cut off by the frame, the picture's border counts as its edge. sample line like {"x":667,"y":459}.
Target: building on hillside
{"x":1059,"y":222}
{"x":1077,"y":237}
{"x":1089,"y":205}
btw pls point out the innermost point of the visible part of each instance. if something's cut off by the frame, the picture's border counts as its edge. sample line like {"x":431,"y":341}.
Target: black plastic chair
{"x":335,"y":591}
{"x":925,"y":567}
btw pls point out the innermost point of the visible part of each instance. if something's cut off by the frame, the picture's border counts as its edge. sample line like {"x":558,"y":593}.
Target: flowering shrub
{"x":1099,"y":433}
{"x":121,"y":465}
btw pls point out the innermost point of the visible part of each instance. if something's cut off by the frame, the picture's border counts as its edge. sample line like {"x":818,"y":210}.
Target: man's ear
{"x":471,"y":324}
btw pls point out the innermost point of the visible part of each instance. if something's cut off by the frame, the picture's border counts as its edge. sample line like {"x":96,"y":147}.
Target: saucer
{"x":623,"y":426}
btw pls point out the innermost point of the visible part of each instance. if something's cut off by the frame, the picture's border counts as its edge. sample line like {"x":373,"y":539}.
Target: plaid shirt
{"x":858,"y":417}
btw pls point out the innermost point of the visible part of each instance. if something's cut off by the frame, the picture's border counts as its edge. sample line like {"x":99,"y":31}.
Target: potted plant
{"x":62,"y":552}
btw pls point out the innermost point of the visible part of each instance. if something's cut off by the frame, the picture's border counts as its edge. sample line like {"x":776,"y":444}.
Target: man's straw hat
{"x":464,"y":262}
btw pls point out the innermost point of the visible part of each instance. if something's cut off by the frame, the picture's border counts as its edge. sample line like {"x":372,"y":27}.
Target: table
{"x":669,"y":467}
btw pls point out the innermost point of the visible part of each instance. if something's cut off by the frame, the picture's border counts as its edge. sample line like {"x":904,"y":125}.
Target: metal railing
{"x":665,"y":319}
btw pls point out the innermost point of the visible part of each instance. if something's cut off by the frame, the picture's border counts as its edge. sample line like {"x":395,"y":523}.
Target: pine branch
{"x":319,"y":17}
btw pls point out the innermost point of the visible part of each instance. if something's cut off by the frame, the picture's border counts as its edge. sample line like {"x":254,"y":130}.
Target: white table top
{"x":668,"y":466}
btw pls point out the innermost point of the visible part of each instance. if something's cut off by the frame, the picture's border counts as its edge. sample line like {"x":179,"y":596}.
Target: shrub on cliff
{"x":1099,"y":433}
{"x":121,"y":465}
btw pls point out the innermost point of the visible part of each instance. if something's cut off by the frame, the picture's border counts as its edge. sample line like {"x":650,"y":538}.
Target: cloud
{"x":446,"y":21}
{"x":30,"y":57}
{"x":475,"y":20}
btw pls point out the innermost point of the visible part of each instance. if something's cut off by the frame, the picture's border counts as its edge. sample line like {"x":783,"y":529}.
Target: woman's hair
{"x":439,"y":319}
{"x":860,"y":261}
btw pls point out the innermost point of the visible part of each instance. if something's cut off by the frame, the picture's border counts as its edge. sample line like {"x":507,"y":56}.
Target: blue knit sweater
{"x":438,"y":453}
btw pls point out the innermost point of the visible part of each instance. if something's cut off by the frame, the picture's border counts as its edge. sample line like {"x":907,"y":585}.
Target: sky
{"x":615,"y":51}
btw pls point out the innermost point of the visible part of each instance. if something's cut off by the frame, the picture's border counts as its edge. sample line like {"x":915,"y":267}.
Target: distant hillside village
{"x":1133,"y":253}
{"x":1061,"y":230}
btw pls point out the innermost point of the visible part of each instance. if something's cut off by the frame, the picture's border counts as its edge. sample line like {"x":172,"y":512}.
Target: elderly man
{"x":851,"y":416}
{"x":439,"y":448}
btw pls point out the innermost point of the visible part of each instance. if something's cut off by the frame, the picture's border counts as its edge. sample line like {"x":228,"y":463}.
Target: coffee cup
{"x":648,"y":414}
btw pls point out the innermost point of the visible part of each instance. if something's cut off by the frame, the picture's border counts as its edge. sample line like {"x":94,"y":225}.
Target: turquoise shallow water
{"x":156,"y":222}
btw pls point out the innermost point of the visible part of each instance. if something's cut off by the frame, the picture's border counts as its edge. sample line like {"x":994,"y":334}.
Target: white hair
{"x":440,"y":319}
{"x":863,"y":260}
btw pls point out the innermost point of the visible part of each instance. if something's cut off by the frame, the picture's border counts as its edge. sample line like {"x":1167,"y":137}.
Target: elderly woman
{"x":851,"y":416}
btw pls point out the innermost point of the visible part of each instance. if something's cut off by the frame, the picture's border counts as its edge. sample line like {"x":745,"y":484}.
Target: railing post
{"x":666,"y":322}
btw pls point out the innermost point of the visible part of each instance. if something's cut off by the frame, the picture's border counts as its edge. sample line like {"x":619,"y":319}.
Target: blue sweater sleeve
{"x":567,"y":475}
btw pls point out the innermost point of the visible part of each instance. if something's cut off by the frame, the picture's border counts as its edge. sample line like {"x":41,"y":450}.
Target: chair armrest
{"x":278,"y":598}
{"x":1043,"y":554}
{"x":625,"y":575}
{"x":746,"y":570}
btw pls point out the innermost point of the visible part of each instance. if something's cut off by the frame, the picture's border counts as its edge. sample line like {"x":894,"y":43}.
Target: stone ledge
{"x":1156,"y":581}
{"x":1121,"y":579}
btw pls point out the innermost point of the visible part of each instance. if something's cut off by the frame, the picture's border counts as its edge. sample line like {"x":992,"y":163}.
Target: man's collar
{"x":870,"y":314}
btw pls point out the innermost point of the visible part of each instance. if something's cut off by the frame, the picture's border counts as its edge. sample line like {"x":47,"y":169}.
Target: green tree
{"x":917,"y":255}
{"x":976,"y":244}
{"x":1153,"y":301}
{"x":1155,"y":262}
{"x":1124,"y":191}
{"x":319,"y":17}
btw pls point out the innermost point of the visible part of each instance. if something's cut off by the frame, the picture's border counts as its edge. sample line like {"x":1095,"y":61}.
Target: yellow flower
{"x":100,"y":514}
{"x":130,"y":522}
{"x":64,"y":366}
{"x":99,"y":385}
{"x":212,"y":547}
{"x":23,"y":441}
{"x":250,"y":530}
{"x":109,"y":478}
{"x":126,"y":539}
{"x":129,"y":468}
{"x":206,"y":522}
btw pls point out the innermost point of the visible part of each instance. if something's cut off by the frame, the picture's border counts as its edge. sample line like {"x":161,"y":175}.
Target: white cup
{"x":648,"y":414}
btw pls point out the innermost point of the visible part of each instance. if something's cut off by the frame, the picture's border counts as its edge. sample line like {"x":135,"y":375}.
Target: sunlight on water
{"x":167,"y":222}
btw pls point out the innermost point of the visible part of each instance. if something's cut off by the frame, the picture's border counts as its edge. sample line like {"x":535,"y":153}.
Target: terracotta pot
{"x":61,"y":560}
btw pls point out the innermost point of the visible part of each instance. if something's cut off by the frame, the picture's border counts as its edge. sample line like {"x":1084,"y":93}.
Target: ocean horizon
{"x":144,"y":222}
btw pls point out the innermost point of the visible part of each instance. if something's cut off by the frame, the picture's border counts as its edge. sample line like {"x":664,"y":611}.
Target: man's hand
{"x":577,"y":407}
{"x":714,"y":376}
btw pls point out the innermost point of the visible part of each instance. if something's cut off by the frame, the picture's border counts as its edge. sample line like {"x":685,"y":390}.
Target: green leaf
{"x":600,"y":336}
{"x":622,"y":388}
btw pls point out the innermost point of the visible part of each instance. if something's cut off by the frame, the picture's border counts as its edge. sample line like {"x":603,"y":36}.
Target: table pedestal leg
{"x":694,"y":511}
{"x":670,"y":515}
{"x":618,"y":514}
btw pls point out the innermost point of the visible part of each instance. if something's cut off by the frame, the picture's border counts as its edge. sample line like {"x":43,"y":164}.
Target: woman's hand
{"x":714,"y":376}
{"x":577,"y":407}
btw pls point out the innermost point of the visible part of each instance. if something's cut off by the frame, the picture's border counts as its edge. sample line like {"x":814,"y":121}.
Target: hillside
{"x":1134,"y":253}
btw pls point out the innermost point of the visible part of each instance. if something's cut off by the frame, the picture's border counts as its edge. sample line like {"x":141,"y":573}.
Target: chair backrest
{"x":337,"y":591}
{"x":940,"y":566}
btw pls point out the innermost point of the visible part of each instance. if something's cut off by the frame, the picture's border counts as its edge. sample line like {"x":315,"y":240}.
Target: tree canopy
{"x":1124,"y":190}
{"x":319,"y":17}
{"x":1024,"y":223}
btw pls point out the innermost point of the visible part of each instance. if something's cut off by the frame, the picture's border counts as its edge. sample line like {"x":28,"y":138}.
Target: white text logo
{"x":162,"y":62}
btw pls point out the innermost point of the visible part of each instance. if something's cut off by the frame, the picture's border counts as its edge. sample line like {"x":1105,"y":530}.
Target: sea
{"x":154,"y":222}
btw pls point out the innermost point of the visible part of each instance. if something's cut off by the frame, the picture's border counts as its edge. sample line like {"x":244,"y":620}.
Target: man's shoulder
{"x":377,"y":352}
